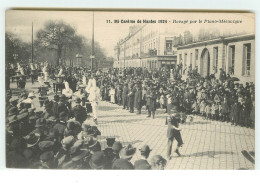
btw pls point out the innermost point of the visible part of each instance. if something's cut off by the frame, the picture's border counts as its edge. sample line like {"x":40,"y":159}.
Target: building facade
{"x":234,"y":54}
{"x":148,"y":46}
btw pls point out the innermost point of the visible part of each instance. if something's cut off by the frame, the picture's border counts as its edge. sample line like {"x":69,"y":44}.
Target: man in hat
{"x":173,"y":132}
{"x":126,"y":155}
{"x":158,"y":162}
{"x":138,"y":99}
{"x":63,"y":106}
{"x":125,"y":96}
{"x":41,"y":128}
{"x":47,"y":160}
{"x":79,"y":112}
{"x":98,"y":160}
{"x":54,"y":104}
{"x":142,"y":163}
{"x":116,"y":147}
{"x":63,"y":154}
{"x":15,"y":157}
{"x":131,"y":96}
{"x":13,"y":103}
{"x":109,"y":152}
{"x":60,"y":126}
{"x":151,"y":101}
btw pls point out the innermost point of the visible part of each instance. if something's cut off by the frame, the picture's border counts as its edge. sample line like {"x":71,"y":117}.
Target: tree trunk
{"x":59,"y":55}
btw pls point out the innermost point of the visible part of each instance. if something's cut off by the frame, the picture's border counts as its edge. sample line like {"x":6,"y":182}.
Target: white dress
{"x":112,"y":93}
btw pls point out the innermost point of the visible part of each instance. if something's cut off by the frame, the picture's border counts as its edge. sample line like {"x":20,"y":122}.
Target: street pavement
{"x":208,"y":145}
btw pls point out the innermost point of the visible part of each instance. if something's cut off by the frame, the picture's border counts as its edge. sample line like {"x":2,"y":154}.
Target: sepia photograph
{"x":129,"y":90}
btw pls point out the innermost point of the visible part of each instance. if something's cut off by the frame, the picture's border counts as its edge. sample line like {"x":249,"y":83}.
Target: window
{"x":232,"y":59}
{"x":215,"y":57}
{"x":185,"y":59}
{"x":168,"y":45}
{"x":196,"y":54}
{"x":247,"y":59}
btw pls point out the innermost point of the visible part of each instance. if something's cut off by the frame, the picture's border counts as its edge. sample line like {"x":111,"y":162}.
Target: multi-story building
{"x":234,"y":54}
{"x":148,"y":46}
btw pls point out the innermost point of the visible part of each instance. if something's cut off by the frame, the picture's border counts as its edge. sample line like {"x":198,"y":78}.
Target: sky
{"x":108,"y":34}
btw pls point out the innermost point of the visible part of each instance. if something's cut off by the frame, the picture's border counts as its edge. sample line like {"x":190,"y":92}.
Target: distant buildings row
{"x":151,"y":47}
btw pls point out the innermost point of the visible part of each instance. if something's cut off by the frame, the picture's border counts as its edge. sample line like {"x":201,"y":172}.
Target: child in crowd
{"x":208,"y":110}
{"x":213,"y":111}
{"x":202,"y":108}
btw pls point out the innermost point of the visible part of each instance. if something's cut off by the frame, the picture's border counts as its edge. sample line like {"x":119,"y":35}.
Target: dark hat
{"x":33,"y":140}
{"x":47,"y":156}
{"x":93,"y":131}
{"x":38,"y":113}
{"x":122,"y":164}
{"x":110,"y":141}
{"x":78,"y":100}
{"x":117,"y":146}
{"x":71,"y":125}
{"x":46,"y":145}
{"x":97,"y":160}
{"x":127,"y":152}
{"x":145,"y":149}
{"x":142,"y":165}
{"x":40,"y":122}
{"x":62,"y":115}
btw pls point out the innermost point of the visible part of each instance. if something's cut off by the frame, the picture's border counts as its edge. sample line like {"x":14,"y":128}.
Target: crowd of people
{"x":61,"y":135}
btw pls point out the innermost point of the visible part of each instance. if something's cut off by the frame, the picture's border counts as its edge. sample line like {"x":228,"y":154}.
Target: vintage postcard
{"x":122,"y":90}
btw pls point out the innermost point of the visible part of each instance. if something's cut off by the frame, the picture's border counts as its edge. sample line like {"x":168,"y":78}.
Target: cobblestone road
{"x":207,"y":144}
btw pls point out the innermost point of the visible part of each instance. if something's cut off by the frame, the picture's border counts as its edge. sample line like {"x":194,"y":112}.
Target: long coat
{"x":151,"y":100}
{"x":234,"y":113}
{"x":131,"y":96}
{"x":124,"y":95}
{"x":138,"y":98}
